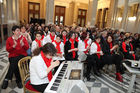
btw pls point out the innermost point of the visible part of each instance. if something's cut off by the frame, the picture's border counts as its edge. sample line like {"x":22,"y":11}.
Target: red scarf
{"x":124,"y":47}
{"x":110,"y":45}
{"x":58,"y":47}
{"x":86,"y":45}
{"x":52,"y":37}
{"x":48,"y":63}
{"x":76,"y":39}
{"x":38,"y":42}
{"x":132,"y":50}
{"x":98,"y":49}
{"x":64,"y":38}
{"x":42,"y":37}
{"x":72,"y":47}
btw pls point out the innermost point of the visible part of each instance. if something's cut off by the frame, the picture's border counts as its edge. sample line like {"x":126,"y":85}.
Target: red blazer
{"x":18,"y":50}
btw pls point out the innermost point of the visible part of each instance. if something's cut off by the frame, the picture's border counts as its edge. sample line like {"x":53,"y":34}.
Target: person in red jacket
{"x":17,"y":46}
{"x":127,"y":49}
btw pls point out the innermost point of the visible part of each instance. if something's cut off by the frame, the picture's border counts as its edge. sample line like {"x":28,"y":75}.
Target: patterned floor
{"x":104,"y":84}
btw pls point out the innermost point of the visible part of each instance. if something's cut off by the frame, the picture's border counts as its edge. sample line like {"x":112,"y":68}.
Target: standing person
{"x":28,"y":38}
{"x":41,"y":65}
{"x":17,"y":46}
{"x":71,"y":47}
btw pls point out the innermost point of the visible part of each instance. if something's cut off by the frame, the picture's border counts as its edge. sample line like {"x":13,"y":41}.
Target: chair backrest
{"x":23,"y":65}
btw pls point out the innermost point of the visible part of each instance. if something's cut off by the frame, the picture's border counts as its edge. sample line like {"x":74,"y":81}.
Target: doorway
{"x":82,"y":17}
{"x":59,"y":15}
{"x":33,"y":10}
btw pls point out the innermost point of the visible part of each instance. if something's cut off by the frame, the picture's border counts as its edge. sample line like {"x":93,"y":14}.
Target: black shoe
{"x":98,"y":74}
{"x":5,"y":84}
{"x":88,"y":78}
{"x":19,"y":84}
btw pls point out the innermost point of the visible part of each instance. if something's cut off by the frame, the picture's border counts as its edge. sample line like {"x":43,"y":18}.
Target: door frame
{"x":59,"y":14}
{"x":82,"y":16}
{"x":33,"y":7}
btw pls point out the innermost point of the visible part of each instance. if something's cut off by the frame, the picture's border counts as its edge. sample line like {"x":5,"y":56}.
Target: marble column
{"x":137,"y":22}
{"x":114,"y":17}
{"x":17,"y":11}
{"x":92,"y":10}
{"x":124,"y":17}
{"x":1,"y":25}
{"x":9,"y":16}
{"x":49,"y":12}
{"x":127,"y":21}
{"x":12,"y":14}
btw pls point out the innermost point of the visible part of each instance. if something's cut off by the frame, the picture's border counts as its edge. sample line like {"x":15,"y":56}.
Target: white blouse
{"x":81,"y":45}
{"x":93,"y":48}
{"x":38,"y":71}
{"x":62,"y":50}
{"x":48,"y":39}
{"x":35,"y":45}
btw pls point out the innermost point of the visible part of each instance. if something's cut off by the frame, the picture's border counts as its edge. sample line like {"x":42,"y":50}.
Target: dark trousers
{"x":112,"y":59}
{"x":92,"y":63}
{"x":131,"y":57}
{"x":41,"y":88}
{"x":13,"y":68}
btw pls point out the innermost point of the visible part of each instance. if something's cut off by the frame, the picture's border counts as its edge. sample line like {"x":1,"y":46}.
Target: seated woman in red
{"x":41,"y":65}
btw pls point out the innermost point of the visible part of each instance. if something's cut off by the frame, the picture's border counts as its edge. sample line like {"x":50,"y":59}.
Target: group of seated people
{"x":51,"y":45}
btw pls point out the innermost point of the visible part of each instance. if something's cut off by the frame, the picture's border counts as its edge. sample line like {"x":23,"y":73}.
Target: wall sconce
{"x":132,"y":18}
{"x":1,"y":1}
{"x":119,"y":19}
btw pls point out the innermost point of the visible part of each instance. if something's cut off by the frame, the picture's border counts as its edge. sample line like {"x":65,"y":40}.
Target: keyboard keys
{"x":60,"y":75}
{"x":57,"y":81}
{"x":54,"y":88}
{"x":55,"y":84}
{"x":59,"y":78}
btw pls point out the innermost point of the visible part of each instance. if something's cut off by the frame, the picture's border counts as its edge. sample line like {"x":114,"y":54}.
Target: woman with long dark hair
{"x":71,"y":47}
{"x":41,"y":65}
{"x":111,"y":58}
{"x":83,"y":46}
{"x":64,"y":36}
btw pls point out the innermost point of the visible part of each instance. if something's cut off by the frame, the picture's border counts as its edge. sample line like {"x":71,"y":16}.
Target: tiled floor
{"x":94,"y":86}
{"x":104,"y":84}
